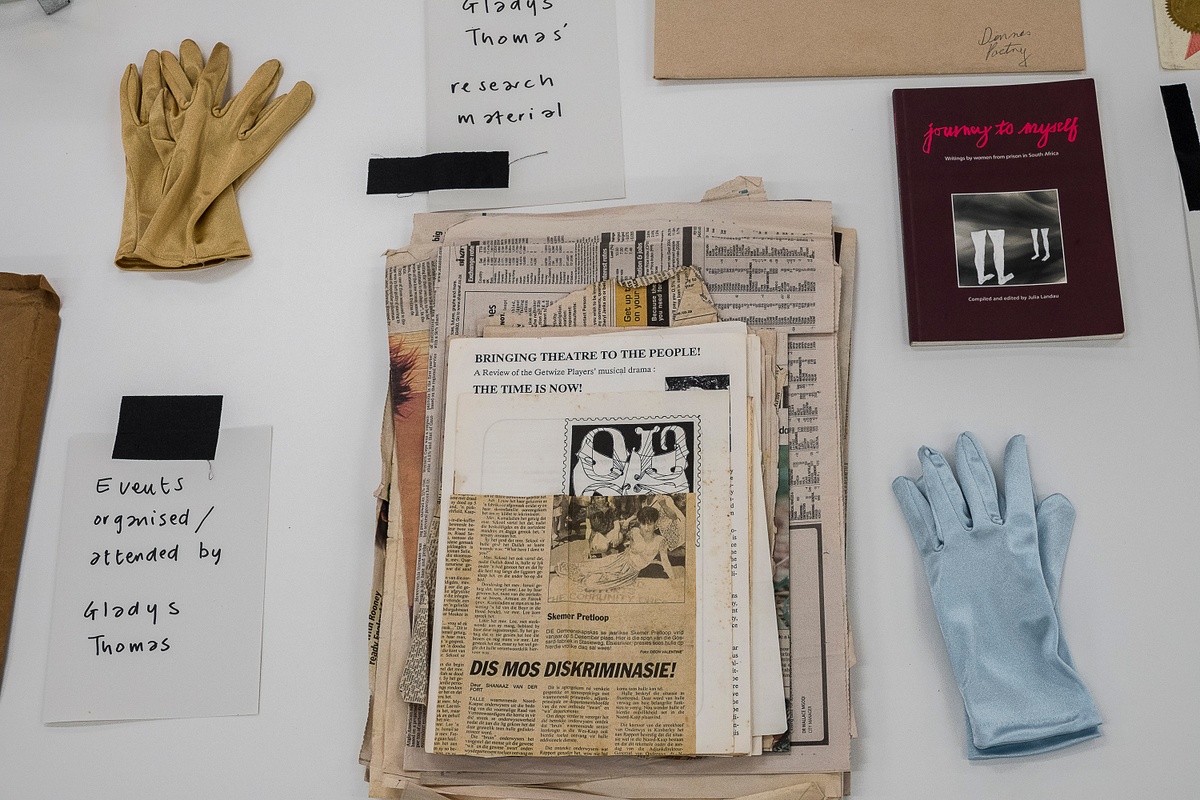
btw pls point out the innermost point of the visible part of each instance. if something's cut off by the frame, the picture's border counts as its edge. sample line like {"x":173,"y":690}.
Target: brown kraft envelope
{"x":797,"y":38}
{"x":28,"y":334}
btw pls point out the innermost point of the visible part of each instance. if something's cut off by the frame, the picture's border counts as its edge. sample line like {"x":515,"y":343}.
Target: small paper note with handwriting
{"x":537,"y":78}
{"x":158,"y":599}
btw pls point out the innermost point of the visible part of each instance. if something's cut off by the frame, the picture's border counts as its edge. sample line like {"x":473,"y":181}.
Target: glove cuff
{"x":208,"y":233}
{"x":1033,"y":746}
{"x":135,"y":262}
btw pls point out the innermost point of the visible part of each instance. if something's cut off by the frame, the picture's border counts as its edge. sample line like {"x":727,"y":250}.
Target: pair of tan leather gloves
{"x":187,"y":151}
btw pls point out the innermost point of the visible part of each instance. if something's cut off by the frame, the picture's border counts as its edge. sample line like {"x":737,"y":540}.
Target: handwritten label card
{"x":159,"y":596}
{"x":537,"y":78}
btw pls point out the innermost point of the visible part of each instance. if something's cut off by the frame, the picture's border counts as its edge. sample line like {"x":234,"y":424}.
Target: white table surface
{"x":295,"y":338}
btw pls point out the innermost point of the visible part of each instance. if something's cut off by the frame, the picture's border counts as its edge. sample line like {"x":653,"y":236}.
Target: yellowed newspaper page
{"x":671,"y":298}
{"x":819,"y":674}
{"x":388,"y":718}
{"x":769,"y":716}
{"x":547,"y":651}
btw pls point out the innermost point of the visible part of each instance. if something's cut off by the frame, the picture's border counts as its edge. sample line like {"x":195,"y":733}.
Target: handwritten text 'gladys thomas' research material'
{"x":538,"y":79}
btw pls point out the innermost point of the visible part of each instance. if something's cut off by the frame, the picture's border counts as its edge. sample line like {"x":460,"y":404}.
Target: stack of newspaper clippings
{"x":611,"y":548}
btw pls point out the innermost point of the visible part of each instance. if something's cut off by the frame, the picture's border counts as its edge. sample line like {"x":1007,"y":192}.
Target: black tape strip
{"x":1184,"y":139}
{"x":481,"y":170}
{"x":168,"y":427}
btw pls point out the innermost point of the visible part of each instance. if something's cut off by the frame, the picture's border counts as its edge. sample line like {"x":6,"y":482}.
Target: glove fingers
{"x":263,"y":115}
{"x":1018,"y":485}
{"x":945,"y":497}
{"x":918,"y":514}
{"x":177,"y":80}
{"x":247,"y":104}
{"x":977,"y":479}
{"x":1055,"y":520}
{"x":214,"y":78}
{"x":131,"y":96}
{"x":282,"y":113}
{"x":191,"y":59}
{"x":160,"y":128}
{"x":151,"y":86}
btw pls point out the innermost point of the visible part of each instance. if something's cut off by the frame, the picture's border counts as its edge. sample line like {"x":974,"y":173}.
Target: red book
{"x":1004,"y":207}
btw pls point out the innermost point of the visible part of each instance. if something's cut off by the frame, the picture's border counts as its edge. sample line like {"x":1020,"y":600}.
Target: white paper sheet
{"x":537,"y":78}
{"x":656,"y":354}
{"x":158,"y":600}
{"x":766,"y":669}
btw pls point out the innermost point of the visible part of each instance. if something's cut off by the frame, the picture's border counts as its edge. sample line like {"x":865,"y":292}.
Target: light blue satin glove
{"x":994,"y":565}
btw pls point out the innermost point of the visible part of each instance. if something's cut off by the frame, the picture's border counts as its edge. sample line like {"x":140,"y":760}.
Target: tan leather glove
{"x":205,"y":151}
{"x":152,"y":106}
{"x":166,"y":92}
